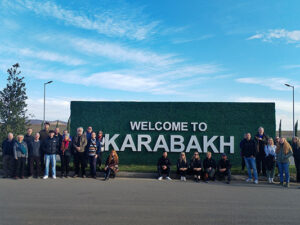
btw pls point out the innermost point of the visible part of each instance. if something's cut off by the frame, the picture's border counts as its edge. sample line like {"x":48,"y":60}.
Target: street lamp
{"x":291,"y":86}
{"x":49,"y":82}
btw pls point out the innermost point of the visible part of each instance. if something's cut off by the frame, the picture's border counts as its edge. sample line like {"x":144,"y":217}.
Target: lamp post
{"x":49,"y":82}
{"x":291,"y":86}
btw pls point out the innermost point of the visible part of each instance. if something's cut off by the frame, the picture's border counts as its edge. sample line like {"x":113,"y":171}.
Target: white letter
{"x":230,"y":144}
{"x":207,"y":144}
{"x":175,"y":126}
{"x":135,"y":125}
{"x":144,"y":125}
{"x":128,"y":143}
{"x":194,"y":125}
{"x":111,"y":141}
{"x":165,"y":127}
{"x":161,"y":143}
{"x":144,"y":143}
{"x":177,"y":143}
{"x":193,"y":144}
{"x":156,"y":127}
{"x":184,"y":126}
{"x":202,"y":126}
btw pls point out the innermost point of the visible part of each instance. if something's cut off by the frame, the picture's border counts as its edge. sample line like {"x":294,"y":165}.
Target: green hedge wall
{"x":223,"y":119}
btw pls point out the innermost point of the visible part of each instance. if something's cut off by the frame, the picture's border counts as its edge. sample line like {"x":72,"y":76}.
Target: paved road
{"x":145,"y":201}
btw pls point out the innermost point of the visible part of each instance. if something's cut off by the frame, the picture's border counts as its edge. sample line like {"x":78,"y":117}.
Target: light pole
{"x":49,"y":82}
{"x":291,"y":86}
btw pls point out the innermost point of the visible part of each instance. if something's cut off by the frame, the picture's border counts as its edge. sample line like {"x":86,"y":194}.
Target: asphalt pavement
{"x":145,"y":201}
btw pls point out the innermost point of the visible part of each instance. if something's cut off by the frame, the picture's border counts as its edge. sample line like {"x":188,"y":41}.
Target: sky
{"x":196,"y":50}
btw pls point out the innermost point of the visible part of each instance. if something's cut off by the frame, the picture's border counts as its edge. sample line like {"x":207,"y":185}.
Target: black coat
{"x":59,"y":138}
{"x":8,"y":147}
{"x":224,"y":164}
{"x":182,"y":164}
{"x":260,"y":144}
{"x":209,"y":163}
{"x":50,"y":146}
{"x":195,"y":163}
{"x":29,"y":139}
{"x":248,"y":148}
{"x":164,"y":162}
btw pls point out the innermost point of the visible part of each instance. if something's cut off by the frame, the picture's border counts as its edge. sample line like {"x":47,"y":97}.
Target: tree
{"x":13,"y":104}
{"x":57,"y":123}
{"x":280,"y":128}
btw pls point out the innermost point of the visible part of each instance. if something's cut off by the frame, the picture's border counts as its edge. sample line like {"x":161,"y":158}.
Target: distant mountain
{"x":33,"y":122}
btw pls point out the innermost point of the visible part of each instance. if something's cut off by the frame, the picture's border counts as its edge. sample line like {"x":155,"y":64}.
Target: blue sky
{"x":241,"y":51}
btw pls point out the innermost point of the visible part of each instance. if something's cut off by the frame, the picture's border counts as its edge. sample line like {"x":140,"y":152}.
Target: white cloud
{"x":120,"y":22}
{"x":275,"y":83}
{"x":278,"y":34}
{"x":284,"y":110}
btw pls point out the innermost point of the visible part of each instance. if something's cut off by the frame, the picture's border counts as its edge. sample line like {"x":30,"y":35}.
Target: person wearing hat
{"x":224,"y":167}
{"x":50,"y":148}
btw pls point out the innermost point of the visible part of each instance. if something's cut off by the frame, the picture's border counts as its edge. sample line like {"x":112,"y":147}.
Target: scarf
{"x":22,"y":148}
{"x":65,"y":145}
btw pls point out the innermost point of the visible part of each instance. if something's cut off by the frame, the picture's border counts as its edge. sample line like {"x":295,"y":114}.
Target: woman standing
{"x":20,"y":156}
{"x":101,"y":141}
{"x":65,"y":155}
{"x":111,"y":165}
{"x":196,"y":166}
{"x":283,"y":153}
{"x":182,"y":166}
{"x":296,"y":153}
{"x":270,"y":151}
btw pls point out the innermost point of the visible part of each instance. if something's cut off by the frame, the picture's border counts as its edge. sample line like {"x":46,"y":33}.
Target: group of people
{"x":29,"y":155}
{"x":261,"y":155}
{"x":208,"y":170}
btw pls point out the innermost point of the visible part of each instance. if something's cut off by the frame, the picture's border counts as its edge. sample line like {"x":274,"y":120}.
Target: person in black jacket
{"x":65,"y":153}
{"x":50,"y":148}
{"x":182,"y":166}
{"x":261,"y":140}
{"x":248,"y":153}
{"x":296,"y":154}
{"x":7,"y":155}
{"x":35,"y":156}
{"x":58,"y":136}
{"x":224,"y":168}
{"x":163,"y":166}
{"x":209,"y":166}
{"x":196,"y":166}
{"x":28,"y":138}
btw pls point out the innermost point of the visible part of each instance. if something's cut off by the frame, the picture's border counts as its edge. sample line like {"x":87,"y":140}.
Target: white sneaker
{"x":256,"y":182}
{"x":181,"y":178}
{"x":168,"y":178}
{"x":269,"y":180}
{"x":54,"y":177}
{"x":184,"y":179}
{"x":248,"y":180}
{"x":45,"y":177}
{"x":160,"y":178}
{"x":272,"y":180}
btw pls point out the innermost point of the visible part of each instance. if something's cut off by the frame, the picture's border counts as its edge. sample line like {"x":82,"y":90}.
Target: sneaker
{"x":45,"y":177}
{"x":54,"y":177}
{"x":75,"y":176}
{"x":160,"y":178}
{"x":272,"y":181}
{"x":181,"y":178}
{"x":287,"y":184}
{"x":83,"y":176}
{"x":168,"y":178}
{"x":256,"y":182}
{"x":248,"y":180}
{"x":269,"y":180}
{"x":184,"y":179}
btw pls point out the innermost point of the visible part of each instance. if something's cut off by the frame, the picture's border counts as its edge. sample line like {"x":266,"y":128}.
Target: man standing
{"x":35,"y":156}
{"x":79,"y":144}
{"x":50,"y":148}
{"x":261,"y":140}
{"x":249,"y":153}
{"x":44,"y":134}
{"x":163,"y":166}
{"x":28,"y":138}
{"x":224,"y":167}
{"x":7,"y":155}
{"x":58,"y":136}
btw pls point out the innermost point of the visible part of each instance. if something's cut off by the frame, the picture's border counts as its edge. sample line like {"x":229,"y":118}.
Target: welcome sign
{"x":140,"y":131}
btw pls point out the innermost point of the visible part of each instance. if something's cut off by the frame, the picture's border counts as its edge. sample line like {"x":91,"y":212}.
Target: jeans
{"x":251,"y":164}
{"x":92,"y":161}
{"x":50,"y":159}
{"x":284,"y":167}
{"x":209,"y":174}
